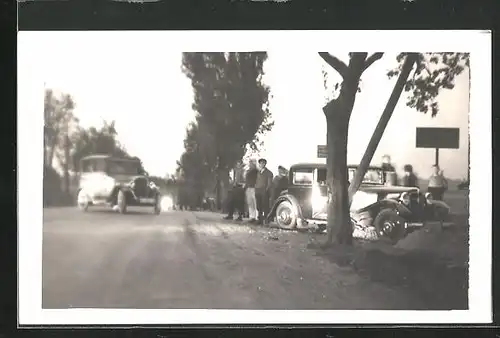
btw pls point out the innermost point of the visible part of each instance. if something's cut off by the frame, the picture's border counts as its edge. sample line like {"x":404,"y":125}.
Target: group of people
{"x":256,"y":189}
{"x":437,"y":182}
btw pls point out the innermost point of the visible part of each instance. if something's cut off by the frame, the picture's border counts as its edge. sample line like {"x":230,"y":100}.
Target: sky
{"x":138,"y":83}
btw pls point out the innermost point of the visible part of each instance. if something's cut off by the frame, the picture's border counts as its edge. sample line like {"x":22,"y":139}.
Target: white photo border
{"x":30,"y":156}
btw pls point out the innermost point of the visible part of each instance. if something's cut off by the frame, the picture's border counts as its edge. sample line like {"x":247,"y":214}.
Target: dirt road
{"x":102,"y":259}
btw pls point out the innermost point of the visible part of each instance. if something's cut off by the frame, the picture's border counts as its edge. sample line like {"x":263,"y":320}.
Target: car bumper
{"x":430,"y":224}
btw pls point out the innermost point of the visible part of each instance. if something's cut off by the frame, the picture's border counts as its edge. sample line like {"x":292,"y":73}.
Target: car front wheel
{"x":82,"y":200}
{"x":286,"y":216}
{"x":390,"y":225}
{"x":157,"y":207}
{"x":121,"y":202}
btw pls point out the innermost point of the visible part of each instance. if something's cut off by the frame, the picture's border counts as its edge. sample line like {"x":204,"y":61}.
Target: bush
{"x":53,"y":194}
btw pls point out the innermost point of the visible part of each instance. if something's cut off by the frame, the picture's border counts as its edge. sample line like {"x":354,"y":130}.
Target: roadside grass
{"x":432,"y":264}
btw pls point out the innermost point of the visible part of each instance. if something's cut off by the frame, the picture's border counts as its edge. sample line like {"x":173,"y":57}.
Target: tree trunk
{"x":338,"y":113}
{"x":66,"y":165}
{"x":339,"y":223}
{"x":44,"y":155}
{"x":51,"y":153}
{"x":382,"y":124}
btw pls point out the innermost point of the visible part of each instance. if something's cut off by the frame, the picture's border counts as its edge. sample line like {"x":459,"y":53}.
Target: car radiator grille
{"x":141,"y":187}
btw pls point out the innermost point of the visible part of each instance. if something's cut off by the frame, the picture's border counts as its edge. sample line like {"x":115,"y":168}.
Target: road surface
{"x":182,"y":259}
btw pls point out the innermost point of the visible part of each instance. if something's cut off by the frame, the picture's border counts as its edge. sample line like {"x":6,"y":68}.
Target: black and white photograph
{"x":170,"y":177}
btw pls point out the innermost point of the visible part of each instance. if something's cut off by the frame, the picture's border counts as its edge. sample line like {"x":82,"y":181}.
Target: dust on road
{"x":186,"y":259}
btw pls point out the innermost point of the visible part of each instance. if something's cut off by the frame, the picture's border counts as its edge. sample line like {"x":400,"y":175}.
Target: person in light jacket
{"x":437,"y":183}
{"x":263,"y":187}
{"x":250,"y":180}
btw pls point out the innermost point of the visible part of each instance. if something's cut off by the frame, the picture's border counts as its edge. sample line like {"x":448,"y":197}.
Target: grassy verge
{"x":431,"y":264}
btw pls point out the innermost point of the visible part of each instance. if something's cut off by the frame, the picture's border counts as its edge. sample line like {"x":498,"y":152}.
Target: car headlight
{"x":166,"y":203}
{"x":405,"y":198}
{"x":428,"y":196}
{"x":363,"y":199}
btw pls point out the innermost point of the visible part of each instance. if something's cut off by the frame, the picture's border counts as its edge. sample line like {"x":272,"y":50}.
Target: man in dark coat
{"x":409,"y":178}
{"x":236,"y":198}
{"x":280,"y":183}
{"x":263,"y":187}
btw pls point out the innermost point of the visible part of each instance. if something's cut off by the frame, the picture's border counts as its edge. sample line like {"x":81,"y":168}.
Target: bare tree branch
{"x":335,"y":63}
{"x":371,"y":59}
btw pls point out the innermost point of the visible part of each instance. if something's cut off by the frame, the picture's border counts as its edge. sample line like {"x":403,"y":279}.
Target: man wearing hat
{"x":263,"y":187}
{"x":280,"y":183}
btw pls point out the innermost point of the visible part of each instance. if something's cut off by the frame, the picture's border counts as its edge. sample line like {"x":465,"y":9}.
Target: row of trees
{"x":66,"y":142}
{"x":232,"y":113}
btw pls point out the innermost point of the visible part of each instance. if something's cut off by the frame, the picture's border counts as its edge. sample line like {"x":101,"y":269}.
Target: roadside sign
{"x":438,"y":138}
{"x":322,"y":151}
{"x":442,"y":138}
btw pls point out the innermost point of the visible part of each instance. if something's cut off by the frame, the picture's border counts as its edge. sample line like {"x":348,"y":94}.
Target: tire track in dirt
{"x":194,"y":244}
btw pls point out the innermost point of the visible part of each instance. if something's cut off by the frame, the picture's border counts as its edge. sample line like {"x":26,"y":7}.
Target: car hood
{"x":386,"y":189}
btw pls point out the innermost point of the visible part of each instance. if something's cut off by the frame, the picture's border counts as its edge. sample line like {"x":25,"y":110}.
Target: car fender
{"x":387,"y":204}
{"x":439,"y":204}
{"x":436,"y":207}
{"x":287,"y":198}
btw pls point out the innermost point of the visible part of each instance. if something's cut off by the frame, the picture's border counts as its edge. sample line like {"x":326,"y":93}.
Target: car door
{"x":319,"y":196}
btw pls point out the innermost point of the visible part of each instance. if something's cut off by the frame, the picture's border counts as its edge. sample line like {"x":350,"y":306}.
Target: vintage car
{"x":116,"y":182}
{"x":392,"y":210}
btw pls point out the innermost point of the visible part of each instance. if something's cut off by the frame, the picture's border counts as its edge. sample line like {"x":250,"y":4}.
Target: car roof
{"x":98,"y":156}
{"x":312,"y":165}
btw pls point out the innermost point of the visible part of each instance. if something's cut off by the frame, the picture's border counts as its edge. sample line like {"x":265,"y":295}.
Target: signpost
{"x":322,"y":151}
{"x":438,"y":138}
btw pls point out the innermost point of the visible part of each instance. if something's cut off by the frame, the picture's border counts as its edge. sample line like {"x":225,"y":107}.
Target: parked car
{"x":395,"y":211}
{"x":118,"y":182}
{"x":392,"y":210}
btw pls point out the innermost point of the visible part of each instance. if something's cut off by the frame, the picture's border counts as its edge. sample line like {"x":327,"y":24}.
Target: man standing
{"x":262,"y":190}
{"x":236,"y":201}
{"x":250,"y":180}
{"x":437,"y":183}
{"x":280,"y":183}
{"x":409,"y":178}
{"x":389,"y":172}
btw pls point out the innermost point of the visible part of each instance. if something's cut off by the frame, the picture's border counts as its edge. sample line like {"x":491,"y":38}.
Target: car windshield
{"x":303,"y":177}
{"x":306,"y":176}
{"x":371,"y":176}
{"x":123,"y":167}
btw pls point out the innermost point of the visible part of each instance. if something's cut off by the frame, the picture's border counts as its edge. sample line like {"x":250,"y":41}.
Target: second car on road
{"x":118,"y":182}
